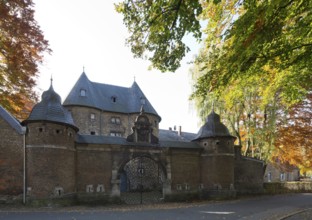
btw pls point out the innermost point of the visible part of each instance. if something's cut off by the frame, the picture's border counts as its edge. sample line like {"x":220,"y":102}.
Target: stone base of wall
{"x":182,"y":196}
{"x":287,"y":187}
{"x":96,"y":199}
{"x":8,"y":199}
{"x":66,"y":200}
{"x":218,"y":194}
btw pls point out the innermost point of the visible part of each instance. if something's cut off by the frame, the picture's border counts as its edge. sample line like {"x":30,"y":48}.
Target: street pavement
{"x":278,"y":207}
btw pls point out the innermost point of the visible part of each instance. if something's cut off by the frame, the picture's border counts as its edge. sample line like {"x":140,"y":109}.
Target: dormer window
{"x":83,"y":92}
{"x":114,"y":99}
{"x":142,"y":99}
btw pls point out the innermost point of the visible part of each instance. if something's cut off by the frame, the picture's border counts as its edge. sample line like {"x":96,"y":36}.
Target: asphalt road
{"x":288,"y":207}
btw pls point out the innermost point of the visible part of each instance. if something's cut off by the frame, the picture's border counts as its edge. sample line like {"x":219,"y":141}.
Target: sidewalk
{"x":302,"y":215}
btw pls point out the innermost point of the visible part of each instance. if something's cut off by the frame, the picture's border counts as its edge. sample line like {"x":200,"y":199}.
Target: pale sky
{"x":91,"y":34}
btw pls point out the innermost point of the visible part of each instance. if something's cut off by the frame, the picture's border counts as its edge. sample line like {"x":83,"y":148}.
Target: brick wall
{"x":94,"y":167}
{"x":248,"y":175}
{"x":185,"y":170}
{"x":50,"y":163}
{"x":217,"y":171}
{"x":11,"y":160}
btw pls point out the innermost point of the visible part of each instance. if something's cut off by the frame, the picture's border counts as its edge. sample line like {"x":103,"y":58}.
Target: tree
{"x":272,"y":39}
{"x":157,"y":29}
{"x":22,"y":45}
{"x":269,"y":41}
{"x":294,"y":142}
{"x":255,"y":62}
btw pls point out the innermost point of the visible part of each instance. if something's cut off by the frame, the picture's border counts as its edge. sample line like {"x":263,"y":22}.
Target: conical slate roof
{"x":213,"y":128}
{"x":108,"y":97}
{"x":50,"y":109}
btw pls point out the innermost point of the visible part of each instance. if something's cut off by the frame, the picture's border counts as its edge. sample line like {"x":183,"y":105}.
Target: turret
{"x":217,"y":158}
{"x":50,"y":148}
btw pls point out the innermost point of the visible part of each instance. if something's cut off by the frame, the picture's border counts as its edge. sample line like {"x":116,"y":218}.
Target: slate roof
{"x":13,"y":122}
{"x":212,"y":128}
{"x":170,"y":135}
{"x":99,"y":95}
{"x":50,"y":109}
{"x":167,"y":139}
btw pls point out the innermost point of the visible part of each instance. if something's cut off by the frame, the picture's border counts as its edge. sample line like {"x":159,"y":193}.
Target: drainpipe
{"x":24,"y":164}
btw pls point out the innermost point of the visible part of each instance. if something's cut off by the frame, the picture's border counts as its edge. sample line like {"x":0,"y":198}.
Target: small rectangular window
{"x":115,"y":120}
{"x":115,"y":134}
{"x":100,"y":188}
{"x":89,"y":188}
{"x":92,"y":116}
{"x":187,"y":186}
{"x":282,"y":176}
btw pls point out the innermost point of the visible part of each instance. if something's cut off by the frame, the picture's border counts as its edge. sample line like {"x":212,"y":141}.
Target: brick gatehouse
{"x":104,"y":142}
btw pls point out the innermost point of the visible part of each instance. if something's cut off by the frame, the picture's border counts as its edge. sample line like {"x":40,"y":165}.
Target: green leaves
{"x":157,"y":29}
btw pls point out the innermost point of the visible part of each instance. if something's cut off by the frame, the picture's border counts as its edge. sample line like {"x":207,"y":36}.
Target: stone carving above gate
{"x":142,"y":131}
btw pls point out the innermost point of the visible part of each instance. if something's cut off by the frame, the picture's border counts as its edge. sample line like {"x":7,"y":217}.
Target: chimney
{"x":170,"y":128}
{"x":180,"y":130}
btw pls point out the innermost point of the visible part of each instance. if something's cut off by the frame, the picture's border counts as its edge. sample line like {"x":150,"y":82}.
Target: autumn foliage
{"x":294,"y":140}
{"x":22,"y":45}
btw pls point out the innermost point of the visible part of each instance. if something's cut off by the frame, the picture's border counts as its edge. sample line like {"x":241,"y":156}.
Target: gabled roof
{"x":213,"y":128}
{"x":50,"y":109}
{"x":108,"y":97}
{"x":14,"y":123}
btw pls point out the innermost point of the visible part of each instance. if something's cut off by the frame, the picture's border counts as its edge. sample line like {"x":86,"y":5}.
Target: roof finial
{"x":51,"y":79}
{"x":213,"y":105}
{"x":83,"y":68}
{"x":134,"y":78}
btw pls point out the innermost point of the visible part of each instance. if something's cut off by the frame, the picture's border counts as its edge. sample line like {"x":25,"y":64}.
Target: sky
{"x":90,"y":34}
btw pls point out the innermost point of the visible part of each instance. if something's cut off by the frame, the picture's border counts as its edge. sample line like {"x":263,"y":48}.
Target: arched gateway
{"x":141,"y":180}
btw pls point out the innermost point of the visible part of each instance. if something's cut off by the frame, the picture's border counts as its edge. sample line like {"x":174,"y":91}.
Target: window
{"x":282,"y":176}
{"x":28,"y":191}
{"x":142,"y":100}
{"x":40,"y":129}
{"x":115,"y":134}
{"x":269,"y":177}
{"x":114,"y":99}
{"x":58,"y":191}
{"x":179,"y":187}
{"x":187,"y":186}
{"x":89,"y":189}
{"x":115,"y":120}
{"x":92,"y":132}
{"x":92,"y":116}
{"x":83,"y":92}
{"x":201,"y":186}
{"x":100,"y":188}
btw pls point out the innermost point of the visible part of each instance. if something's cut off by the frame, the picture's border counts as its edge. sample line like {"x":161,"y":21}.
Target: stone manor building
{"x":104,"y":142}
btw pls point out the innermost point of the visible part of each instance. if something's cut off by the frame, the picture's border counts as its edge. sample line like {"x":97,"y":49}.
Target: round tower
{"x":50,"y":148}
{"x":217,"y":158}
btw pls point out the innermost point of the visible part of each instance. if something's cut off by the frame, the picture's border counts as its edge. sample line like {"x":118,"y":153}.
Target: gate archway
{"x":141,"y":181}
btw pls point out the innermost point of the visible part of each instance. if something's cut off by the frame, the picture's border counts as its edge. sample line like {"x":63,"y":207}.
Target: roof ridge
{"x":11,"y":120}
